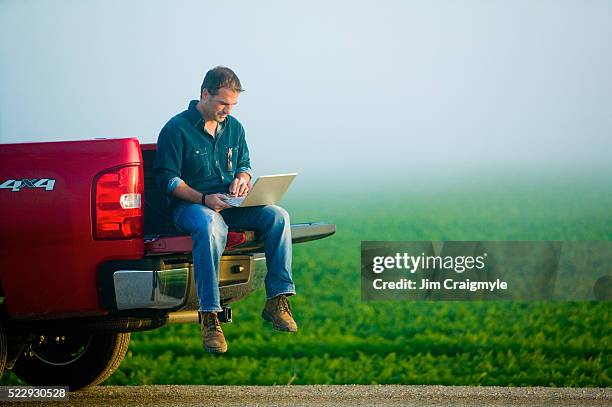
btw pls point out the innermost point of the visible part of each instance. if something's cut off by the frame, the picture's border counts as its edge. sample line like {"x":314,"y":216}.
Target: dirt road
{"x":390,"y":395}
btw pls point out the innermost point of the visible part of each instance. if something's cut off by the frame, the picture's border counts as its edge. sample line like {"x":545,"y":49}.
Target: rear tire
{"x":76,"y":361}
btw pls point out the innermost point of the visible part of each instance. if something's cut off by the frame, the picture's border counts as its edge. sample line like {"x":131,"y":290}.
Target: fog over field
{"x":391,"y":91}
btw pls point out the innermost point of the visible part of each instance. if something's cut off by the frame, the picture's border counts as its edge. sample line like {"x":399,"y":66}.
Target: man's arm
{"x":169,"y":157}
{"x":244,"y":161}
{"x":242,"y":179}
{"x":186,"y":193}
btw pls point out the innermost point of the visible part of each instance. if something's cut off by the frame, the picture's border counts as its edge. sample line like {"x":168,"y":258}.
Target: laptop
{"x":267,"y":190}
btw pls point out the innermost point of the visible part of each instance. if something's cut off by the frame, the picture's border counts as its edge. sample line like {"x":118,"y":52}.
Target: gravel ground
{"x":388,"y":395}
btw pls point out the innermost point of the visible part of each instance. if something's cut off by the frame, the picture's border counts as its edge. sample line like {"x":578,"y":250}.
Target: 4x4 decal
{"x":16,"y":185}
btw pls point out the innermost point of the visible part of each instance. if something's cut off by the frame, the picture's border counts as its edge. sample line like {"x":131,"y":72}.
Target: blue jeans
{"x":208,"y":231}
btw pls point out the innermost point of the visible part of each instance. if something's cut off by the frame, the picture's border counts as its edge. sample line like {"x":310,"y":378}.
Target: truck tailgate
{"x":300,"y":232}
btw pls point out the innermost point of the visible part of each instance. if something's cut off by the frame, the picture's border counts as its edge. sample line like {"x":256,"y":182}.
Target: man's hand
{"x":240,"y":184}
{"x":216,"y":202}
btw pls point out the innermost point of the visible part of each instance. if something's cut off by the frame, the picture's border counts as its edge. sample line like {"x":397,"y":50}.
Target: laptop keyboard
{"x":234,"y":200}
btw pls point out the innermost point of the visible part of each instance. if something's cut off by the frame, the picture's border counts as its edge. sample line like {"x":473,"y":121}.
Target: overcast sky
{"x":376,"y":88}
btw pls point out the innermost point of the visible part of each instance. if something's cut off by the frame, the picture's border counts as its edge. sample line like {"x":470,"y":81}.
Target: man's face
{"x":217,"y":107}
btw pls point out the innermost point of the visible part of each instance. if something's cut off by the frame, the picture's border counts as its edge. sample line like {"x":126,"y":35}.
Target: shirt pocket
{"x":199,"y":163}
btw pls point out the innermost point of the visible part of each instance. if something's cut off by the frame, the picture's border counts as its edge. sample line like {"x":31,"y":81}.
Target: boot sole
{"x":215,"y":350}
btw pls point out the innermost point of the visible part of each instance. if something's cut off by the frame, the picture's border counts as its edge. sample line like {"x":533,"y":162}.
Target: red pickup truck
{"x":90,"y":254}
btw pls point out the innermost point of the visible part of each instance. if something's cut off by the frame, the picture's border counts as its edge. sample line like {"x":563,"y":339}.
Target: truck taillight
{"x":118,"y":211}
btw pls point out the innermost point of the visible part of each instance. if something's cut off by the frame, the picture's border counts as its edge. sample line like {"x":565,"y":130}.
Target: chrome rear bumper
{"x":172,"y":286}
{"x":157,"y":289}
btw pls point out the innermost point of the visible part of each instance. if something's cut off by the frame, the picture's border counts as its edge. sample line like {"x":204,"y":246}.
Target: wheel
{"x":3,"y":347}
{"x":76,"y":361}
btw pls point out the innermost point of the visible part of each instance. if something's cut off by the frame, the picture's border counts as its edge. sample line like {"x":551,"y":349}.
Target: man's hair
{"x":221,"y":77}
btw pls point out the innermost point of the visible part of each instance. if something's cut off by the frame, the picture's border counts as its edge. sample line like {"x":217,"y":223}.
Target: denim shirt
{"x":187,"y":152}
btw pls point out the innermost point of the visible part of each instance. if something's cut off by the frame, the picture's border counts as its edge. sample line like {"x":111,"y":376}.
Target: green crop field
{"x":344,"y":340}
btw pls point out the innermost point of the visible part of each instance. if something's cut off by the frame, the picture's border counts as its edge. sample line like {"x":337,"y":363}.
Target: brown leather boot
{"x":212,"y":335}
{"x":278,"y":311}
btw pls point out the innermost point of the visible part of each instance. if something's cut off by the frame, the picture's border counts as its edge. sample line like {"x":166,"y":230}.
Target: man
{"x":202,"y":155}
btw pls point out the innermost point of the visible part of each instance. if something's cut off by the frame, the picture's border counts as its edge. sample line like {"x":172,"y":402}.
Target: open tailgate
{"x":238,"y":242}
